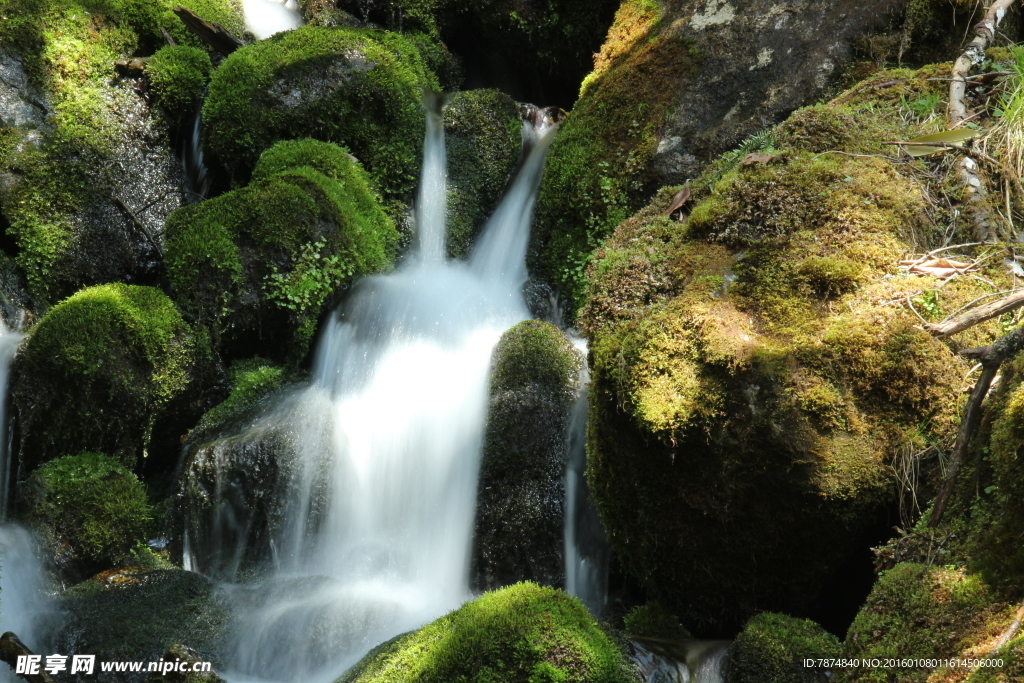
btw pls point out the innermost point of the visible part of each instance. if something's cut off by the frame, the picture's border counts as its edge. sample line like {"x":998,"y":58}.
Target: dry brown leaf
{"x":679,"y":200}
{"x":758,"y":158}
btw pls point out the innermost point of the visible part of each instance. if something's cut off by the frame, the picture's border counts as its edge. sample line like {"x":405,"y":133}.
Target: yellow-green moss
{"x":772,"y":648}
{"x":520,"y":634}
{"x":357,"y":87}
{"x":178,"y":75}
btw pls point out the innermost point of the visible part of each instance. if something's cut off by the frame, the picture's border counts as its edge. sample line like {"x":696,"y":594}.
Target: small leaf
{"x":950,"y":136}
{"x":681,"y":198}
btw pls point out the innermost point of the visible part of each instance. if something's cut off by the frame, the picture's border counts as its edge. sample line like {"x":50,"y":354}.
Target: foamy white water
{"x":380,"y":522}
{"x":267,"y":17}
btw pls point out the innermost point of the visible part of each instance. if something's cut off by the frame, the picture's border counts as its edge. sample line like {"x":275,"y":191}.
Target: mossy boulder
{"x":137,"y":613}
{"x":652,"y":620}
{"x":358,"y":87}
{"x":520,"y":634}
{"x":934,"y":612}
{"x":482,"y":137}
{"x":772,"y":648}
{"x":178,"y":75}
{"x":92,"y":509}
{"x":674,"y":86}
{"x":520,"y":496}
{"x":258,"y":265}
{"x":92,"y":173}
{"x":103,"y":370}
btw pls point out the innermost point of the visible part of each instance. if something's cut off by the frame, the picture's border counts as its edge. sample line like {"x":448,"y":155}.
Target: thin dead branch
{"x":976,"y":315}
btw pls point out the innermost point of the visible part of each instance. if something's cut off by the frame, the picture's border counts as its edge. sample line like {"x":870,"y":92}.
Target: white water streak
{"x":267,"y":17}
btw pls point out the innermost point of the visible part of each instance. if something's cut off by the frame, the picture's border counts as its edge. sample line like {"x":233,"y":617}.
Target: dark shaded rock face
{"x":521,"y":487}
{"x":137,"y":613}
{"x":674,"y":85}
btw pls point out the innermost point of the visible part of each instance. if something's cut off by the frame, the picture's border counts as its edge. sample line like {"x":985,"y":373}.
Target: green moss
{"x":258,"y":264}
{"x":772,"y":648}
{"x":934,"y":612}
{"x":94,"y":510}
{"x":597,"y":174}
{"x":251,"y":381}
{"x":520,"y":634}
{"x":535,"y":352}
{"x":97,"y":372}
{"x":654,"y":621}
{"x":361,"y":88}
{"x":482,"y":139}
{"x":178,"y":75}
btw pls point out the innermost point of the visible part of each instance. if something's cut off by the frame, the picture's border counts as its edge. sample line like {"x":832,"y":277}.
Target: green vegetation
{"x":597,"y":173}
{"x":251,"y":381}
{"x":97,"y":372}
{"x":772,"y":648}
{"x":178,"y":75}
{"x":91,"y":508}
{"x":357,"y":87}
{"x":482,"y":139}
{"x":536,"y":352}
{"x":520,"y":634}
{"x":68,"y":48}
{"x":258,"y":264}
{"x":652,"y":620}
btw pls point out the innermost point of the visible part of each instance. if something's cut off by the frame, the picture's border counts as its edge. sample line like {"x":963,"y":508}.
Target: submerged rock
{"x":482,"y":140}
{"x":519,"y":519}
{"x":103,"y":371}
{"x":357,"y":87}
{"x":520,"y":634}
{"x":137,"y":613}
{"x":257,"y":265}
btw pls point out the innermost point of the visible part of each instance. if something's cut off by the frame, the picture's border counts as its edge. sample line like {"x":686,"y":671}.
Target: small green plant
{"x":763,"y":142}
{"x":312,"y":279}
{"x":923,"y":106}
{"x":928,"y":303}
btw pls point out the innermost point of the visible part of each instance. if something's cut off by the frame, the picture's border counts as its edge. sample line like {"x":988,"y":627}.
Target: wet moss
{"x":357,"y":87}
{"x":772,"y":648}
{"x":482,"y":139}
{"x":520,"y":634}
{"x":178,"y":75}
{"x":98,"y":371}
{"x":653,"y":620}
{"x":91,"y":508}
{"x":597,"y":174}
{"x":536,"y":352}
{"x":258,"y":264}
{"x":251,"y":381}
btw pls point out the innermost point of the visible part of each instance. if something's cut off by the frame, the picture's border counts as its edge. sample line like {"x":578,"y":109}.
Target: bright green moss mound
{"x":258,"y":264}
{"x":251,"y":381}
{"x":520,"y":634}
{"x":652,"y":620}
{"x":97,"y":372}
{"x":535,"y":352}
{"x":597,"y":172}
{"x":934,"y":612}
{"x":360,"y":88}
{"x":68,"y":48}
{"x":772,"y":647}
{"x":91,"y":507}
{"x":482,"y":139}
{"x":178,"y":75}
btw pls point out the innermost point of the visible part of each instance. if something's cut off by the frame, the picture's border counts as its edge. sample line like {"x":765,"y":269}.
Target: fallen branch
{"x":214,"y":35}
{"x":11,"y":648}
{"x":137,"y":222}
{"x":976,"y":315}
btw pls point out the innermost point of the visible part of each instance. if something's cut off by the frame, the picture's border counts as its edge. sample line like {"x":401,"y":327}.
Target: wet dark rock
{"x":519,"y":522}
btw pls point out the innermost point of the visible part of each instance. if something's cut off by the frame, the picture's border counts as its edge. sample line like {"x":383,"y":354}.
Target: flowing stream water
{"x":267,"y":17}
{"x":379,"y":524}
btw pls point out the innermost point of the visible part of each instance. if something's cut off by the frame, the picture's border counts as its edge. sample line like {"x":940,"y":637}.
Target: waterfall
{"x":267,"y":17}
{"x":587,"y":551}
{"x":685,"y":661}
{"x":197,"y":179}
{"x":387,"y":439}
{"x":23,"y":605}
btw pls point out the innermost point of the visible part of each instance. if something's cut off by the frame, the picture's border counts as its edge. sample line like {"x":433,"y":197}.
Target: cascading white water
{"x":23,"y":604}
{"x":389,"y":435}
{"x":267,"y":17}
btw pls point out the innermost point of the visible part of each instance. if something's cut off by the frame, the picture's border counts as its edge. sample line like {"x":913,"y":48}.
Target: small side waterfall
{"x":267,"y":17}
{"x":197,"y":179}
{"x":587,"y":551}
{"x":386,"y":441}
{"x":23,"y":605}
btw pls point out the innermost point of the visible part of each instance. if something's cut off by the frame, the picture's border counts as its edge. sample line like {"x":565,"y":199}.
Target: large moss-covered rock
{"x":519,"y":527}
{"x":178,"y":75}
{"x":482,"y":139}
{"x":92,"y":509}
{"x":520,"y":634}
{"x":137,"y":613}
{"x":674,"y":85}
{"x":358,"y":87}
{"x":752,"y":377}
{"x":772,"y":648}
{"x":90,"y":173}
{"x":102,"y":371}
{"x":258,"y":265}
